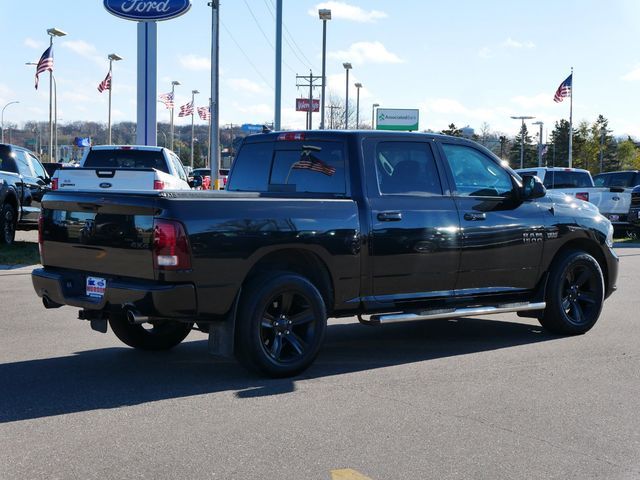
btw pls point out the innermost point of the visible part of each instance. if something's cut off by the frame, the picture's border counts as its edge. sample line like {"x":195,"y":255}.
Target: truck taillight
{"x":170,"y":246}
{"x":54,"y":183}
{"x":583,"y":196}
{"x":40,"y":236}
{"x":158,"y":185}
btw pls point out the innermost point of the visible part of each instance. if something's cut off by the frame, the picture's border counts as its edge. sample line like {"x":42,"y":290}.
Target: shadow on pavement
{"x":114,"y":377}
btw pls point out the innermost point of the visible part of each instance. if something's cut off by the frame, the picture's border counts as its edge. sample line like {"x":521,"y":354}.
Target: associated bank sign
{"x":397,"y":119}
{"x":147,"y":10}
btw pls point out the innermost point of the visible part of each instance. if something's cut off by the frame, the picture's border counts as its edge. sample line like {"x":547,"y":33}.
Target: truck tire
{"x":280,"y":324}
{"x":575,"y":294}
{"x":161,"y":334}
{"x":7,"y":224}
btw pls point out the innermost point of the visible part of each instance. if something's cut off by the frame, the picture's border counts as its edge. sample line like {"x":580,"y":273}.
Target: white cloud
{"x":633,"y":75}
{"x":541,"y":100}
{"x":511,"y":43}
{"x":85,"y":50}
{"x":485,"y":52}
{"x":366,"y":52}
{"x":194,"y":62}
{"x":245,"y":85}
{"x":344,"y":11}
{"x":31,"y":43}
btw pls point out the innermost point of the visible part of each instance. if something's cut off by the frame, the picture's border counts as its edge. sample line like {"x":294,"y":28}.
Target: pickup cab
{"x":386,"y":226}
{"x":615,"y":205}
{"x":123,"y":168}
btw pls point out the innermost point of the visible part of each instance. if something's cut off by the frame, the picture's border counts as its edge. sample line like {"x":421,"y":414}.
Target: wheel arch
{"x":588,"y":246}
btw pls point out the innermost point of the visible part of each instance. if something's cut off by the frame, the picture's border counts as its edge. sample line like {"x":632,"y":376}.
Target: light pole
{"x":373,"y":115}
{"x":347,"y":67}
{"x":2,"y":127}
{"x":52,"y":32}
{"x":112,"y":57}
{"x":193,"y":109}
{"x":523,"y":118}
{"x":324,"y":14}
{"x":358,"y":87}
{"x":541,"y":124}
{"x":173,"y":86}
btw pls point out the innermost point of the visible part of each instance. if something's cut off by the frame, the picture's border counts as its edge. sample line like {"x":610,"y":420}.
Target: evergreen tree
{"x":530,"y":153}
{"x":452,"y":131}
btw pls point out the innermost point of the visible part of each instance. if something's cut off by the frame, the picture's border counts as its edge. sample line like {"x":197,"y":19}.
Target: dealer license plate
{"x":96,"y":287}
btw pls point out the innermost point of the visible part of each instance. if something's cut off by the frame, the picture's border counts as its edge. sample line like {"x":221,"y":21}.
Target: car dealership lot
{"x":474,"y":398}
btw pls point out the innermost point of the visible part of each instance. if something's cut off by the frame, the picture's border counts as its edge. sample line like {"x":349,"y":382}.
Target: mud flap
{"x":222,"y":333}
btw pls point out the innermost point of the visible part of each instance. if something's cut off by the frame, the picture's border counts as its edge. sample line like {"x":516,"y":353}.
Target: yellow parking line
{"x":347,"y":474}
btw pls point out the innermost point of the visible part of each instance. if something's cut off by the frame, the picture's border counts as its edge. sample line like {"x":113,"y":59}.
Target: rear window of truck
{"x":564,"y":179}
{"x":126,"y":159}
{"x":618,"y":179}
{"x":302,"y":167}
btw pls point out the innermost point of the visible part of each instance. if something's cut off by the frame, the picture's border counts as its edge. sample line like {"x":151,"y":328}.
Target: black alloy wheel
{"x":7,"y":224}
{"x":575,"y":294}
{"x":280,"y":324}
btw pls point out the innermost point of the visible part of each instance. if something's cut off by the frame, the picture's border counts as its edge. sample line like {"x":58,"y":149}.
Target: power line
{"x":304,"y":60}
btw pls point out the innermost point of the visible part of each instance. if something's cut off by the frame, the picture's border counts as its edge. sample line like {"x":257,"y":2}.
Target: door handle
{"x":389,"y":216}
{"x":475,"y":216}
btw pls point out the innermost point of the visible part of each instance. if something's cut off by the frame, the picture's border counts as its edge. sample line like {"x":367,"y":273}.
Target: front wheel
{"x":7,"y":224}
{"x":280,"y":324}
{"x":157,"y":335}
{"x":575,"y":294}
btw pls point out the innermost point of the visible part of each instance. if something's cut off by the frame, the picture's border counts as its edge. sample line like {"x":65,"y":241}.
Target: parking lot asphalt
{"x":483,"y":398}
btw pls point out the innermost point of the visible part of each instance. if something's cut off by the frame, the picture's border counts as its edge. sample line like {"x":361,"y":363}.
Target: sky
{"x":469,"y":63}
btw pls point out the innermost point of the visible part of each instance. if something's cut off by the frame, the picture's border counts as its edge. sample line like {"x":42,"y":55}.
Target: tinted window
{"x":475,"y":174}
{"x":7,"y":161}
{"x":618,"y":179}
{"x":177,"y":166}
{"x":37,"y":167}
{"x":126,"y":159}
{"x":23,"y":163}
{"x":567,"y":179}
{"x":251,"y":168}
{"x":406,"y":168}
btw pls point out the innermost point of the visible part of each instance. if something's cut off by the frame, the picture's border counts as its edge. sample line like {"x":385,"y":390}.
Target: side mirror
{"x":532,"y":187}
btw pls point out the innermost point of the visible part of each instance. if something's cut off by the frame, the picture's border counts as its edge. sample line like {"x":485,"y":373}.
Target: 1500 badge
{"x":532,"y":237}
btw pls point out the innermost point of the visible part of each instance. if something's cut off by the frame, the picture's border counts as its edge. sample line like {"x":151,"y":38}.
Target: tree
{"x":452,"y":131}
{"x":530,"y":154}
{"x":485,"y":131}
{"x":628,"y":155}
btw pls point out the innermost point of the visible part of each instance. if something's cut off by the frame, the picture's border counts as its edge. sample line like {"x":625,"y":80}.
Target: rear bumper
{"x":67,"y":287}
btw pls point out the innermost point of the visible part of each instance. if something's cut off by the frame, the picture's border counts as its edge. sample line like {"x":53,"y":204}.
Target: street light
{"x":373,"y":114}
{"x":112,"y":57}
{"x":193,"y":109}
{"x":358,"y":87}
{"x":52,"y":32}
{"x":2,"y":123}
{"x":324,"y":14}
{"x":347,"y":66}
{"x":539,"y":142}
{"x":173,"y":86}
{"x":523,"y":118}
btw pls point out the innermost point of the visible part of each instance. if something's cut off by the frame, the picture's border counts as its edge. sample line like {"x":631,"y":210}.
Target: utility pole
{"x":310,"y":79}
{"x":331,"y":109}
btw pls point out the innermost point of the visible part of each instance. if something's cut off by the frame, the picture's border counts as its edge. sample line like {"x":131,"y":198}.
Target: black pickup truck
{"x":390,"y":227}
{"x":23,"y":182}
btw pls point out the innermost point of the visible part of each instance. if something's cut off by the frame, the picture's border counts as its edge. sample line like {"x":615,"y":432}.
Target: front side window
{"x":475,"y":174}
{"x":406,"y":168}
{"x":23,"y":163}
{"x":37,"y":167}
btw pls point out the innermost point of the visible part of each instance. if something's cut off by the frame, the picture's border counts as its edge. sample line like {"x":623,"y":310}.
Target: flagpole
{"x":173,"y":100}
{"x":50,"y":106}
{"x":209,"y":140}
{"x":571,"y":122}
{"x":193,"y":107}
{"x":110,"y":85}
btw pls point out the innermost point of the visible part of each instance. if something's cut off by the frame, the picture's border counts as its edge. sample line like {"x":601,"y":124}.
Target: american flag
{"x":312,"y":163}
{"x":45,"y":63}
{"x":204,"y":113}
{"x":186,"y":110}
{"x":564,"y":90}
{"x":105,"y":84}
{"x":167,"y":99}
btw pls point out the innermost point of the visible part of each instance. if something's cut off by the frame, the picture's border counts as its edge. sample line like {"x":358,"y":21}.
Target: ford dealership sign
{"x":147,"y":10}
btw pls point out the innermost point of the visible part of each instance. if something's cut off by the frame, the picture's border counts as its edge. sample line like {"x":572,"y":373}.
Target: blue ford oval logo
{"x":147,"y":10}
{"x":105,"y":185}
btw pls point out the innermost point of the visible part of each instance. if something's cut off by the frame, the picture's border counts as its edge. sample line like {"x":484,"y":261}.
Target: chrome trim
{"x":455,"y":312}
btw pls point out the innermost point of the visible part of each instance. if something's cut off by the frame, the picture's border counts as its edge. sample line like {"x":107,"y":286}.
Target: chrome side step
{"x":452,"y":313}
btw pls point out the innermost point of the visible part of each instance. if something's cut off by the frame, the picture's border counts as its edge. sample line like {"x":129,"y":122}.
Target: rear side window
{"x":126,"y":159}
{"x":562,"y":179}
{"x":7,"y":161}
{"x":407,"y":168}
{"x":305,"y":167}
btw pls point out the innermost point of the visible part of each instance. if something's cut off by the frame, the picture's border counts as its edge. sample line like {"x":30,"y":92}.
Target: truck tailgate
{"x":106,"y":179}
{"x":110,"y":234}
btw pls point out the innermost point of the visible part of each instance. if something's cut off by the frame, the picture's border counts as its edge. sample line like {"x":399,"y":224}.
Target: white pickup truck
{"x":615,"y":206}
{"x":123,"y":168}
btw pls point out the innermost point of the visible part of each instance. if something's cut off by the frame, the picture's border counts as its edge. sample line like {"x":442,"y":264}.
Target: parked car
{"x":51,"y":167}
{"x":23,"y":182}
{"x":123,"y":168}
{"x":616,"y":205}
{"x":205,"y":175}
{"x":575,"y":182}
{"x":634,"y":211}
{"x":387,"y":226}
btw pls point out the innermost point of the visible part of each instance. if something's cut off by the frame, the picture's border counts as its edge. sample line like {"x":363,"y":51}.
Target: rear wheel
{"x":575,"y":294}
{"x":156,"y":335}
{"x":280,"y":324}
{"x":7,"y":224}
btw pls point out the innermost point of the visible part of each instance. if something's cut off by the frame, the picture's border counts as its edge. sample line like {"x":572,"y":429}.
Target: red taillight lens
{"x":40,"y":236}
{"x":158,"y":185}
{"x":583,"y":196}
{"x":54,"y":184}
{"x":291,"y":136}
{"x":170,"y":246}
